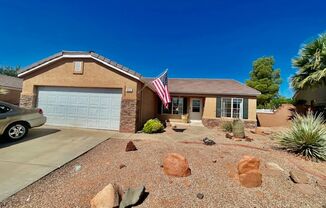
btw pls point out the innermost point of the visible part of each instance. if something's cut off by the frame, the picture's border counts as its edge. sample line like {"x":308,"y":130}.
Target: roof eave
{"x":91,"y":55}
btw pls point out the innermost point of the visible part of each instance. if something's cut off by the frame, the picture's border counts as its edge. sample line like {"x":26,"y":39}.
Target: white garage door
{"x":81,"y":107}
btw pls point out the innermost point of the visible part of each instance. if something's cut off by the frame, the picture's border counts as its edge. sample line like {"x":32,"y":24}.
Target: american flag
{"x":161,"y":87}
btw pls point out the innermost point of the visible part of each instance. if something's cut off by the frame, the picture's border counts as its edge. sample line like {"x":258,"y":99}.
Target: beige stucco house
{"x":84,"y":89}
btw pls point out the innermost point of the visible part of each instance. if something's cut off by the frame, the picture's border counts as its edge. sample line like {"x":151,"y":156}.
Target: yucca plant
{"x":306,"y":137}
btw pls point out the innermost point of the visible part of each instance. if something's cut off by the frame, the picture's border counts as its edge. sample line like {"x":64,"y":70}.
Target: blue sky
{"x":209,"y":39}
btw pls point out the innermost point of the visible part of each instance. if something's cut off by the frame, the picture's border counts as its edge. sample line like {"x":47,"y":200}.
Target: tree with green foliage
{"x":311,"y":64}
{"x":279,"y":100}
{"x":265,"y":79}
{"x":9,"y":71}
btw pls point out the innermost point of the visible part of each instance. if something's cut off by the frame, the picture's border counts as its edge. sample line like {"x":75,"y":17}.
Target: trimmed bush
{"x":227,"y":126}
{"x":238,"y":129}
{"x":306,"y":137}
{"x":153,"y":126}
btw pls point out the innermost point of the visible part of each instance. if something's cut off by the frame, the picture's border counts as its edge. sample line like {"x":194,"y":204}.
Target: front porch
{"x":183,"y":110}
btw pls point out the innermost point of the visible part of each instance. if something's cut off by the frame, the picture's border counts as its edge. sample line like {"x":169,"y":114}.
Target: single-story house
{"x":84,"y":89}
{"x":315,"y":96}
{"x":10,"y":89}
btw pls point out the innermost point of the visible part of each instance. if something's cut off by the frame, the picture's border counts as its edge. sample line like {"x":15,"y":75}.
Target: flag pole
{"x":149,"y":82}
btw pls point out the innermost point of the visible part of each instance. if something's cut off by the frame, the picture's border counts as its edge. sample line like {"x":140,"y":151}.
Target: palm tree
{"x":311,"y":63}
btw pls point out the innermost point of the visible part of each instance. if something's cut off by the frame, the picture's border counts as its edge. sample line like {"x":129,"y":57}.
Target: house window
{"x":175,"y":107}
{"x":232,"y":107}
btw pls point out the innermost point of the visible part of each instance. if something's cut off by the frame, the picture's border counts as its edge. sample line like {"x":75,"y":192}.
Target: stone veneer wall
{"x":128,"y":116}
{"x":216,"y":122}
{"x":27,"y":101}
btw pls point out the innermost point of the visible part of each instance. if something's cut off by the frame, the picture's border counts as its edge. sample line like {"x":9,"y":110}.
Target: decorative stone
{"x":108,"y":197}
{"x":132,"y":197}
{"x":251,"y":179}
{"x":299,"y":177}
{"x":228,"y":135}
{"x":77,"y":168}
{"x":248,"y":163}
{"x":248,"y":139}
{"x":131,"y":147}
{"x":175,"y":164}
{"x":273,"y":166}
{"x":128,"y":115}
{"x":248,"y":169}
{"x":122,"y":166}
{"x":200,"y":196}
{"x":208,"y":141}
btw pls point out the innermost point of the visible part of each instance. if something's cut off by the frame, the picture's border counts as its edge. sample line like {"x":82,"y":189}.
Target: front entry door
{"x":195,"y":109}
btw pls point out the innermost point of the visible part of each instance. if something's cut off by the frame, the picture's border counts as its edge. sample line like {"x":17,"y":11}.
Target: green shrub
{"x":153,"y":126}
{"x":238,"y":128}
{"x":227,"y":126}
{"x":307,"y":137}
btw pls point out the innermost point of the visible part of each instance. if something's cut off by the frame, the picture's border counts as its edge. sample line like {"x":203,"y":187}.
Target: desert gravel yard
{"x":213,"y":173}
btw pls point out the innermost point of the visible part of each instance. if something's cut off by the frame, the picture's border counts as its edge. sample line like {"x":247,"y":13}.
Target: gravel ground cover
{"x":213,"y":168}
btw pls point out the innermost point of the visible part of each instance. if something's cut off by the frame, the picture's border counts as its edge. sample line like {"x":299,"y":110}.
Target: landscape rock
{"x":132,"y":197}
{"x":251,"y":179}
{"x":131,"y":147}
{"x":122,"y":166}
{"x":108,"y":197}
{"x":228,"y":135}
{"x":273,"y":166}
{"x":200,"y":196}
{"x":248,"y":139}
{"x":248,"y":170}
{"x":77,"y":168}
{"x":175,"y":164}
{"x":299,"y":177}
{"x":208,"y":141}
{"x":248,"y":163}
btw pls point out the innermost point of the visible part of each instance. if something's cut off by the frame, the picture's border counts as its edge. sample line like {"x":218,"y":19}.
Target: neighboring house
{"x":315,"y":97}
{"x":84,"y":89}
{"x":10,"y":88}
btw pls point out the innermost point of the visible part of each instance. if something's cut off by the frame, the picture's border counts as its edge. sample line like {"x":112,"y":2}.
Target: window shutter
{"x":185,"y":106}
{"x":245,"y":108}
{"x":159,"y":106}
{"x":218,"y":107}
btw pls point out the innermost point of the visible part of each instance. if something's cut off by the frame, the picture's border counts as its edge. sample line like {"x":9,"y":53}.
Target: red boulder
{"x":175,"y":164}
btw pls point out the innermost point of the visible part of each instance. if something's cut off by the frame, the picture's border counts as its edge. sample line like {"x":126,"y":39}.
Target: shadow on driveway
{"x":32,"y":134}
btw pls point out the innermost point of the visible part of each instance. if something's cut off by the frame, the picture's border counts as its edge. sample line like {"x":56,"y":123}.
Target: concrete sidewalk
{"x":44,"y":150}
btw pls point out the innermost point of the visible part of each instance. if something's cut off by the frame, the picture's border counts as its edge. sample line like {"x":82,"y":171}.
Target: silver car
{"x":15,"y":121}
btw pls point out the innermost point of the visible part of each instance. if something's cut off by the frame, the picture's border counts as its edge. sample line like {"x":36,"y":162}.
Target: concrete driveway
{"x":42,"y":151}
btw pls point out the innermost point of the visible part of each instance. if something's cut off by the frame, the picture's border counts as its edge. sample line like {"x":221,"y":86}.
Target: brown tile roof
{"x":11,"y":82}
{"x":91,"y":53}
{"x":209,"y":87}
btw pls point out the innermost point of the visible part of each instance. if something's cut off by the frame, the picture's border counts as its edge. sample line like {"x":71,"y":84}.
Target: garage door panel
{"x":81,"y":107}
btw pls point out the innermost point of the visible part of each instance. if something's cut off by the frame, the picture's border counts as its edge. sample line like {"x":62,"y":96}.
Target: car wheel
{"x":16,"y":131}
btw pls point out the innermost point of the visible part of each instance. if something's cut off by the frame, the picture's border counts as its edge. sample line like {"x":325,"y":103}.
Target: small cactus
{"x":238,"y":129}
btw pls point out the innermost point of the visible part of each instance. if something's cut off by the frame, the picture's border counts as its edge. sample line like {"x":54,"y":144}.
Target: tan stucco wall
{"x":95,"y":74}
{"x":252,"y":107}
{"x":148,"y":105}
{"x":281,"y":117}
{"x":210,"y":108}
